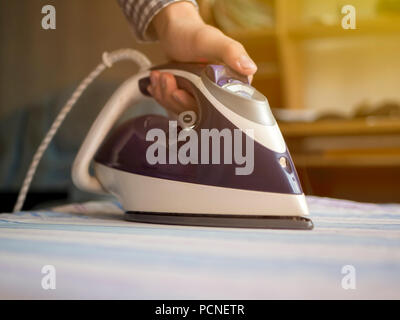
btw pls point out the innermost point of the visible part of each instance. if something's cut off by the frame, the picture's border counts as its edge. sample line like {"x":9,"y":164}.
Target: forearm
{"x":140,"y":14}
{"x":178,"y":11}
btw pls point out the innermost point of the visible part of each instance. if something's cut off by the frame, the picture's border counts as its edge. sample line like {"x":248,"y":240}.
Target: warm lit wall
{"x":36,"y":62}
{"x":340,"y":74}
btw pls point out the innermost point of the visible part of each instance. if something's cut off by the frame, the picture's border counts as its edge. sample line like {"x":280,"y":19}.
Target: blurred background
{"x":334,"y":91}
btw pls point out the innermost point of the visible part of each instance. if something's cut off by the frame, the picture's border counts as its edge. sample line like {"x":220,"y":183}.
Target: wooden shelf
{"x":372,"y":125}
{"x":349,"y":158}
{"x":337,"y":144}
{"x":368,"y":27}
{"x":286,"y":40}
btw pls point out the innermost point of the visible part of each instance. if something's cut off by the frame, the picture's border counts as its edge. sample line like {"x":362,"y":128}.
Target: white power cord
{"x":108,"y":60}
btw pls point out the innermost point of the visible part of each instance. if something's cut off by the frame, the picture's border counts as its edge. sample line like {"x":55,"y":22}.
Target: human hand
{"x":185,"y":37}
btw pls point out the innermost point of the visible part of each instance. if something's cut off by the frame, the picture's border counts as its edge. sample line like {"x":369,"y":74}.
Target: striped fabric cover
{"x":96,"y":254}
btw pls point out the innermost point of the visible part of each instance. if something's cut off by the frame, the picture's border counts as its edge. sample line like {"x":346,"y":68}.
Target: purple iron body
{"x":198,"y":193}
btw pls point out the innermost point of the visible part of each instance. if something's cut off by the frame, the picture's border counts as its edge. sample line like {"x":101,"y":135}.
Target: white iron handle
{"x":126,"y":95}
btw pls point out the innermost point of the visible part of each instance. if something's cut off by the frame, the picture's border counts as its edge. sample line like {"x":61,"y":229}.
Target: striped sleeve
{"x":140,"y":13}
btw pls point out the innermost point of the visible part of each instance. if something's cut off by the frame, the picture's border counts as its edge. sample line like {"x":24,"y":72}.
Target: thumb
{"x":214,"y":45}
{"x":235,"y":56}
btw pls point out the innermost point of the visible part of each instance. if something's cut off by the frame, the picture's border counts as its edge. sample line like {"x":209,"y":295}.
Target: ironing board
{"x":96,"y":254}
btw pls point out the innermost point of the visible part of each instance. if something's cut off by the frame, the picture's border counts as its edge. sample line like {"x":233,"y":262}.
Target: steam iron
{"x":197,"y":193}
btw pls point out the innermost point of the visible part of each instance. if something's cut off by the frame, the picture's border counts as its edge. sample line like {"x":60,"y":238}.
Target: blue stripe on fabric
{"x":81,"y":253}
{"x":284,"y":237}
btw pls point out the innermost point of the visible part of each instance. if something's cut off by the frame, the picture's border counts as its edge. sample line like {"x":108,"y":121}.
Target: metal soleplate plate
{"x":227,"y":221}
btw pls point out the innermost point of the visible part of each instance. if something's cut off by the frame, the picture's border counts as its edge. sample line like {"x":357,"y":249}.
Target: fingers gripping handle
{"x":185,"y":74}
{"x":126,"y":95}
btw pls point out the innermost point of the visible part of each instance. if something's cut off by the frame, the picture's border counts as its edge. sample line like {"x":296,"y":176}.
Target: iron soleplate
{"x":227,"y":221}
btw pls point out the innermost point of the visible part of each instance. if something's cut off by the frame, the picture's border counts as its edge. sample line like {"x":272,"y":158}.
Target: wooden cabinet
{"x":308,"y":60}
